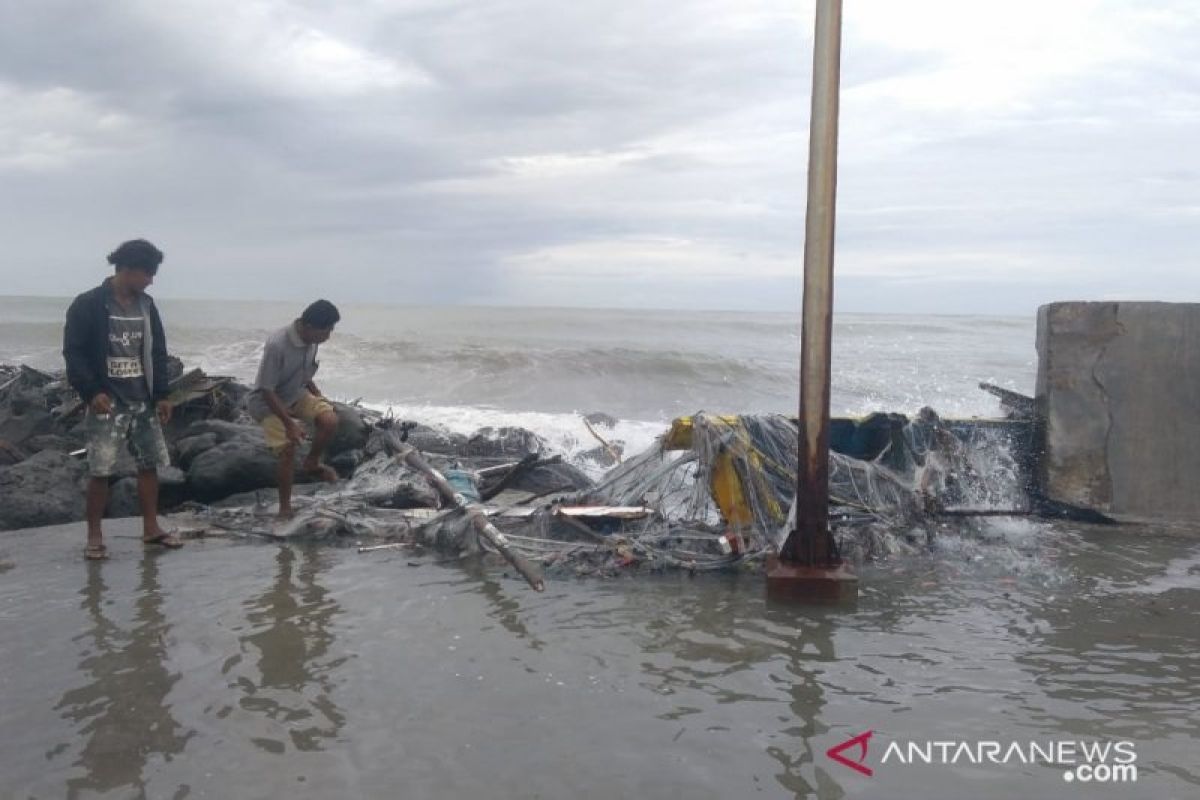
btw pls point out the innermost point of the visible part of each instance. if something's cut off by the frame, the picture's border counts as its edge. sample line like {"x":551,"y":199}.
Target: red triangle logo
{"x":859,"y":741}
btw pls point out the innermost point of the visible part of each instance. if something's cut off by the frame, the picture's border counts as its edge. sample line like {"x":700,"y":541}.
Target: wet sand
{"x":237,"y":668}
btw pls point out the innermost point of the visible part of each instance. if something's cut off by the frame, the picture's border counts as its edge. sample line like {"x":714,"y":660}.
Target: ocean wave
{"x":565,"y":433}
{"x":647,"y":366}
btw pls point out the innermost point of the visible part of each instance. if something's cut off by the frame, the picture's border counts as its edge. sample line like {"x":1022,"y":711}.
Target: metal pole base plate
{"x":788,"y":582}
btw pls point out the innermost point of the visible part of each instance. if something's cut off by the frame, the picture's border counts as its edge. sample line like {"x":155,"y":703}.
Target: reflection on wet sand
{"x":649,"y":687}
{"x":1114,"y":688}
{"x":504,"y":607}
{"x":292,"y":639}
{"x":123,"y":712}
{"x":811,"y":646}
{"x":708,"y":645}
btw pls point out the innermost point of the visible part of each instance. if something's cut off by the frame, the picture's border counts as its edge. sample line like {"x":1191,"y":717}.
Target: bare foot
{"x":285,"y":513}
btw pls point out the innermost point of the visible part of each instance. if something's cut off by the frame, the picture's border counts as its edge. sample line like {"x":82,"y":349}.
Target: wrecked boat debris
{"x":713,"y":493}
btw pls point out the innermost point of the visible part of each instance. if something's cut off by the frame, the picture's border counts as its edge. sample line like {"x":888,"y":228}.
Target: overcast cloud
{"x":994,"y":156}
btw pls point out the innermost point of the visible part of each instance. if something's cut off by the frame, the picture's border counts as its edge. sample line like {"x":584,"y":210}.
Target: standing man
{"x":284,"y":389}
{"x":116,"y":355}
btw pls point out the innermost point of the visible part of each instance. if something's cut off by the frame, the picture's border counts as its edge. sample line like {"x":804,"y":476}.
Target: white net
{"x":713,"y":493}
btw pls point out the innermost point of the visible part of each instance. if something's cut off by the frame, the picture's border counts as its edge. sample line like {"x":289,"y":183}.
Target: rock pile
{"x":218,"y":451}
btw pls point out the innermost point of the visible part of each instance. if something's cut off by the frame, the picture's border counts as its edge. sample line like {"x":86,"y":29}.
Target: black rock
{"x":506,"y":441}
{"x":174,"y":367}
{"x":23,"y":422}
{"x":234,"y":399}
{"x":602,"y":455}
{"x":123,"y":499}
{"x":344,"y":463}
{"x":190,"y":447}
{"x":237,"y":465}
{"x":226,"y":431}
{"x":123,"y":493}
{"x":53,"y":441}
{"x":352,"y":431}
{"x":552,"y":477}
{"x":241,"y":464}
{"x":172,"y":487}
{"x":11,"y":454}
{"x":601,"y":420}
{"x":436,"y":440}
{"x":44,"y":489}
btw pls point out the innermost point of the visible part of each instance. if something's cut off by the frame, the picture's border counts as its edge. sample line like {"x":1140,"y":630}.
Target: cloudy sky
{"x":994,"y":156}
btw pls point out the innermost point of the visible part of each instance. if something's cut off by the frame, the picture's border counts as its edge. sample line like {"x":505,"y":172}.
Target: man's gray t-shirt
{"x":288,"y":364}
{"x":126,"y":339}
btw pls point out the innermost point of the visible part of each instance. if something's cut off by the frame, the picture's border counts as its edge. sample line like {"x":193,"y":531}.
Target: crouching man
{"x":284,"y":390}
{"x":116,"y":354}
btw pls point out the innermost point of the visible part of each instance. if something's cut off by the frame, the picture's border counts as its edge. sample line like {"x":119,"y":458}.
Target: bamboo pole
{"x":476,"y":515}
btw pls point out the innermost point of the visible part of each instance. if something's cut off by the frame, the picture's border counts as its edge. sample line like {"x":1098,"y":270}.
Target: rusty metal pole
{"x":809,"y":567}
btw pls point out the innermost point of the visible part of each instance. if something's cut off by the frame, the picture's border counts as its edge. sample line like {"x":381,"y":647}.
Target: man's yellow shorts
{"x":307,"y":408}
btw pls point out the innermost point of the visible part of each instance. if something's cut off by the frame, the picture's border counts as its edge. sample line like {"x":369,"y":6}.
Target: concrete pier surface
{"x":238,"y":667}
{"x":1119,"y":389}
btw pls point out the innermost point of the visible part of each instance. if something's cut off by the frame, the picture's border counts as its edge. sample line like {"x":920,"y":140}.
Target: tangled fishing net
{"x":713,"y":493}
{"x":718,"y":491}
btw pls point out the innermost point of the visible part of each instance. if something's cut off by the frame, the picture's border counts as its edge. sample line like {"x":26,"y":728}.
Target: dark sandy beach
{"x":242,"y":668}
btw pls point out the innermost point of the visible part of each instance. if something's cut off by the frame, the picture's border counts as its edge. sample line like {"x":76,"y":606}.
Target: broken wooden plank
{"x":1014,"y":403}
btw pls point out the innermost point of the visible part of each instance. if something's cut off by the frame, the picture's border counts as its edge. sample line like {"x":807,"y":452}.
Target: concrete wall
{"x":1119,"y":390}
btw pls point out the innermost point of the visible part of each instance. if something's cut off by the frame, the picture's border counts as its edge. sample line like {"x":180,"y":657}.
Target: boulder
{"x":44,"y":489}
{"x":22,"y":421}
{"x":352,"y":431}
{"x":191,"y":446}
{"x":429,"y":439}
{"x":346,"y":462}
{"x":234,"y":397}
{"x":505,"y":441}
{"x":553,"y":477}
{"x":123,"y":494}
{"x":174,"y":367}
{"x":240,"y":464}
{"x":53,"y":441}
{"x":237,"y":465}
{"x":225,"y":431}
{"x":123,"y":499}
{"x":10,"y":454}
{"x":603,"y":456}
{"x":601,"y":420}
{"x":172,"y":487}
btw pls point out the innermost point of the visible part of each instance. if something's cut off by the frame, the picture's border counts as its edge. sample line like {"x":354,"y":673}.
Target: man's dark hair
{"x":321,"y":314}
{"x":136,"y":254}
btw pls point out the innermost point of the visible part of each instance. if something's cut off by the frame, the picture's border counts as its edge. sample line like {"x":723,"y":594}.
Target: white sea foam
{"x":565,"y":433}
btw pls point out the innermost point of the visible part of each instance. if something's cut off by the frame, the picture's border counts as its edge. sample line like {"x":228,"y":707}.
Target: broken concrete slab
{"x":1119,"y":392}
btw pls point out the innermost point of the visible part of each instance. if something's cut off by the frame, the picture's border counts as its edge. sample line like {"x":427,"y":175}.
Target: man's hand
{"x":295,"y":433}
{"x":101,"y":404}
{"x":164,"y":411}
